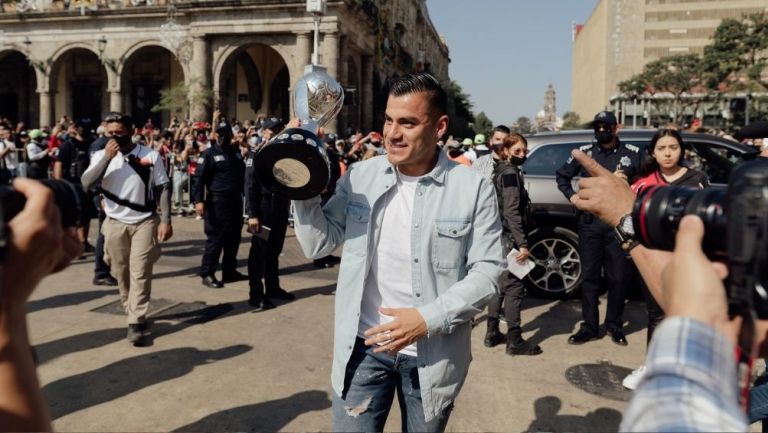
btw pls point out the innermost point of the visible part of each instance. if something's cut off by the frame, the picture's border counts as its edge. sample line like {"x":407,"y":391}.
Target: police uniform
{"x":272,"y":210}
{"x":513,"y":208}
{"x":220,"y":171}
{"x":598,"y":246}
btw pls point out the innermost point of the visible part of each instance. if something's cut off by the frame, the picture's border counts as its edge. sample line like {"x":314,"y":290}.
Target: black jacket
{"x":623,"y":156}
{"x":513,"y":201}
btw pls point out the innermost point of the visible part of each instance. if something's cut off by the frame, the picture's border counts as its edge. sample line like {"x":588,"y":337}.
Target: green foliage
{"x":571,"y":120}
{"x":459,"y":112}
{"x":736,"y":58}
{"x":178,"y":98}
{"x":522,"y":125}
{"x":483,"y":124}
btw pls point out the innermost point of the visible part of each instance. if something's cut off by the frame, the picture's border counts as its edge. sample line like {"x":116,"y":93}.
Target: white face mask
{"x":253,"y":141}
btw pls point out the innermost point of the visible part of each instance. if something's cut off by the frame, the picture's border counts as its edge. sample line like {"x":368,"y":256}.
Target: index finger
{"x":39,"y":197}
{"x":589,"y":164}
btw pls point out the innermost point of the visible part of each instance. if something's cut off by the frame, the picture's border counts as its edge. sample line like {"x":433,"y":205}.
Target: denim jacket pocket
{"x":449,"y":243}
{"x":356,"y":234}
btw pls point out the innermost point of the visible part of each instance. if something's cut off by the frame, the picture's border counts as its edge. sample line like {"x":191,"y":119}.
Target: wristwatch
{"x":625,"y":233}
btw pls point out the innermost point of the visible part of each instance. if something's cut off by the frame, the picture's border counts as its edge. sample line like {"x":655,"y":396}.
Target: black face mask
{"x":122,"y":140}
{"x":603,"y":137}
{"x":518,"y":160}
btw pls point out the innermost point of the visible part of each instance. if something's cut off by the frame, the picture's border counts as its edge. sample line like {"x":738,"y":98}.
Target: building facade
{"x":85,"y":58}
{"x":621,"y":36}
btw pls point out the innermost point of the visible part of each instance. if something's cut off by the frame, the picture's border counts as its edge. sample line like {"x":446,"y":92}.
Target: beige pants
{"x":131,"y":250}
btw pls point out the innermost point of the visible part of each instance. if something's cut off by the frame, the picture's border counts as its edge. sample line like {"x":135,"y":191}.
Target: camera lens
{"x":70,"y":199}
{"x":658,"y":210}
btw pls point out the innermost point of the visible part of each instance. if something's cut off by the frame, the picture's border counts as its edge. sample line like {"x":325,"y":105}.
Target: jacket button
{"x":418,"y":295}
{"x":415,"y":260}
{"x":416,"y":225}
{"x":454,"y":231}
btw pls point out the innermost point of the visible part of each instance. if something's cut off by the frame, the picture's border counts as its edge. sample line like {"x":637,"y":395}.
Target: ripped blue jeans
{"x":369,"y":389}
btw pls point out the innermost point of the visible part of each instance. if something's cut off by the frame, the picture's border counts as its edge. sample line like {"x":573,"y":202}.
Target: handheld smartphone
{"x":264,"y":233}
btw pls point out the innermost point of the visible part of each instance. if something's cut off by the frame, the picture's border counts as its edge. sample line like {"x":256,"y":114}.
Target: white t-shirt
{"x":389,"y":282}
{"x":11,"y":158}
{"x":122,"y":180}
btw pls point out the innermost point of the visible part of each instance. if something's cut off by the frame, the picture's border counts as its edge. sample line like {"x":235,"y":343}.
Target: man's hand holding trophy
{"x":295,"y":162}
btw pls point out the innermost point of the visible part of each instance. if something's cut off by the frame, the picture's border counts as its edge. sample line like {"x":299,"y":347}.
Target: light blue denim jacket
{"x":457,"y":260}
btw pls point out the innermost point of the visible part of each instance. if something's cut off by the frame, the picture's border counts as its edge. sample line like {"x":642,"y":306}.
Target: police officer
{"x":220,"y":171}
{"x":598,"y":246}
{"x":266,"y":209}
{"x":513,"y":208}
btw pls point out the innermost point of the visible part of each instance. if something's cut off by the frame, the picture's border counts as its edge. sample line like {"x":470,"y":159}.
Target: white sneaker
{"x":633,"y":379}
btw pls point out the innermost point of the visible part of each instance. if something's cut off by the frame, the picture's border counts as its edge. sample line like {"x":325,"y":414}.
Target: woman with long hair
{"x":664,"y":165}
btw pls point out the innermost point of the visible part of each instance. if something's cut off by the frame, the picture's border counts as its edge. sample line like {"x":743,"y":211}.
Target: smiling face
{"x":667,"y":152}
{"x":411,"y":131}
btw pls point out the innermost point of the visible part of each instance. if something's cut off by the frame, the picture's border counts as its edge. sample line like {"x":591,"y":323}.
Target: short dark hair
{"x":502,"y":129}
{"x":123,"y":119}
{"x":421,"y":83}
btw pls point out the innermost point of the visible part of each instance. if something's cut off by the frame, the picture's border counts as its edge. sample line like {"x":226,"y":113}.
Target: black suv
{"x":554,"y":242}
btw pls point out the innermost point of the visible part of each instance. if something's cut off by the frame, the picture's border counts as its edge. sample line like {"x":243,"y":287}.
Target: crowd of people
{"x":405,"y":301}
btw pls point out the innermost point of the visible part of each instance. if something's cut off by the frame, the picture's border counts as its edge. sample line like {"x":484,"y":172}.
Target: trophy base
{"x":293,"y":165}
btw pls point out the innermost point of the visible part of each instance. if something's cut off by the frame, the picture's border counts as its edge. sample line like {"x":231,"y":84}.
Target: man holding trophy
{"x":416,"y":265}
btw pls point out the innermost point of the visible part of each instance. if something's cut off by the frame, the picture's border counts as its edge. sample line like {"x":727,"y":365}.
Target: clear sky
{"x":504,"y":53}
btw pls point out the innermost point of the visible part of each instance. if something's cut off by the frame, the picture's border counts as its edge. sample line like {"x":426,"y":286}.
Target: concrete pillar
{"x":115,"y":101}
{"x":199,"y":77}
{"x":46,"y":113}
{"x":330,"y":52}
{"x":303,"y":49}
{"x":330,"y":60}
{"x":366,"y":94}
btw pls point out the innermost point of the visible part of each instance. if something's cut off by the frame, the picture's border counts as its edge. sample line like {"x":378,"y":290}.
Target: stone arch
{"x":237,"y":64}
{"x":19,"y":83}
{"x":145,"y":69}
{"x":133,"y":49}
{"x":231,"y":46}
{"x":78,"y":83}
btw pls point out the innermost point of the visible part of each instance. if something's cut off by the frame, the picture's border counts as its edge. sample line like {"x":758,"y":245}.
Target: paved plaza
{"x":216,"y":365}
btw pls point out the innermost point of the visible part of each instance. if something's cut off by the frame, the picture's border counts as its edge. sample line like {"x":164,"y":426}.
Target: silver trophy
{"x":295,"y":162}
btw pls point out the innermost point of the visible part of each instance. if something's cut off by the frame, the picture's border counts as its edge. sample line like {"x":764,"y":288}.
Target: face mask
{"x":603,"y":137}
{"x":253,"y":141}
{"x":518,"y":160}
{"x":123,"y":140}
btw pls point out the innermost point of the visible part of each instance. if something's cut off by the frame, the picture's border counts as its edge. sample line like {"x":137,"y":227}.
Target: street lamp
{"x":317,"y":8}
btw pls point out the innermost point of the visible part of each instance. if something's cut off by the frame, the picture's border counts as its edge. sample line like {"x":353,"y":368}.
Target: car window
{"x":716,"y":161}
{"x":545,"y":160}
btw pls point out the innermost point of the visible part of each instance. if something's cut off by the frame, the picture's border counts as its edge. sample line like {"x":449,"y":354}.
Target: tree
{"x":482,"y":124}
{"x":571,"y":120}
{"x":678,"y":80}
{"x":522,"y":125}
{"x":736,"y":59}
{"x":178,"y":98}
{"x":459,"y":112}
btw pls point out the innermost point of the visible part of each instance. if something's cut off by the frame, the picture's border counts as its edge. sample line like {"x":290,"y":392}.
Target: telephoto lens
{"x":658,"y":210}
{"x":69,"y":197}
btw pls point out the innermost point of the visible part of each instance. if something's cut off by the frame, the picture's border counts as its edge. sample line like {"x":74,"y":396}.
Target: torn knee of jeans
{"x":355,"y":411}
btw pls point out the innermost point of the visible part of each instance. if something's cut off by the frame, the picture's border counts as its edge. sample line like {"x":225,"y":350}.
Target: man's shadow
{"x":547,"y":419}
{"x":129,"y":375}
{"x":267,"y":416}
{"x":560,"y":319}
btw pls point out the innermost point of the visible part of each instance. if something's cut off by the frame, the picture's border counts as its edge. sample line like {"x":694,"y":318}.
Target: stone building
{"x":621,"y":36}
{"x":83,"y":58}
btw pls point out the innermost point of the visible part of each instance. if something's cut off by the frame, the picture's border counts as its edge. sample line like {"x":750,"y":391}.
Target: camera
{"x":735,"y":228}
{"x":69,"y":198}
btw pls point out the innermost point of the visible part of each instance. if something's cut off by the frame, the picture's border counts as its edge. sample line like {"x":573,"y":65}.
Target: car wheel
{"x":555,"y":251}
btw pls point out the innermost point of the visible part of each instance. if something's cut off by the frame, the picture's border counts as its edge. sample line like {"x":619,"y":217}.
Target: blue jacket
{"x":456,"y":254}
